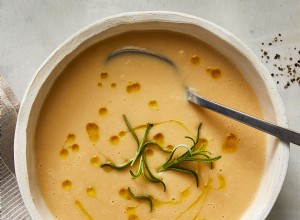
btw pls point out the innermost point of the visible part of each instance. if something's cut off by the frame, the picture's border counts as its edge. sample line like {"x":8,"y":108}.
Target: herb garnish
{"x":143,"y":167}
{"x":141,"y":197}
{"x":194,"y":153}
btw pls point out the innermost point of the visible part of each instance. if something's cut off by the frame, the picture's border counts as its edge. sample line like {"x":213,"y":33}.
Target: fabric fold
{"x":11,"y":203}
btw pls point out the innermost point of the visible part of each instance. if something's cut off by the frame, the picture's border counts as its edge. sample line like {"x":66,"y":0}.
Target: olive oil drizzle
{"x":205,"y":190}
{"x":83,"y":210}
{"x":183,"y":195}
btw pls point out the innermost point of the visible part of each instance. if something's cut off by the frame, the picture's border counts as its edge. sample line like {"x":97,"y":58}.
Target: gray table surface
{"x":30,"y":30}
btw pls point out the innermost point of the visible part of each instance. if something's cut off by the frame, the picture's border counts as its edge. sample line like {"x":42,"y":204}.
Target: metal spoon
{"x":280,"y":132}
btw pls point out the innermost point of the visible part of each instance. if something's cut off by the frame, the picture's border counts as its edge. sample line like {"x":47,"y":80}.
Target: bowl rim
{"x":20,"y":146}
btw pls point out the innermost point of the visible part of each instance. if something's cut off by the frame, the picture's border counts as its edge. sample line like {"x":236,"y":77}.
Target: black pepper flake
{"x":287,"y":65}
{"x":287,"y":85}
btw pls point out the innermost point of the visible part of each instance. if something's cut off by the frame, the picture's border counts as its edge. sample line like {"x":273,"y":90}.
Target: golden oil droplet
{"x":103,"y":111}
{"x":122,"y":133}
{"x":95,"y":161}
{"x":212,"y":166}
{"x":66,"y":185}
{"x":124,"y":193}
{"x":93,"y":131}
{"x":215,"y":72}
{"x":113,"y":85}
{"x":71,"y":137}
{"x":170,"y":147}
{"x":99,"y":84}
{"x":230,"y":143}
{"x":130,"y":210}
{"x":107,"y":169}
{"x":153,"y":104}
{"x":133,"y":87}
{"x":91,"y":191}
{"x":64,"y":153}
{"x":202,"y":143}
{"x":75,"y":147}
{"x":133,"y":217}
{"x":149,"y":152}
{"x":104,"y":75}
{"x":114,"y":140}
{"x":159,"y":138}
{"x":195,"y":59}
{"x":222,"y":182}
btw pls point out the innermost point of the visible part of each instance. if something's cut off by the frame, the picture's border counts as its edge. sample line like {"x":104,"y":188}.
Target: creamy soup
{"x":82,"y":126}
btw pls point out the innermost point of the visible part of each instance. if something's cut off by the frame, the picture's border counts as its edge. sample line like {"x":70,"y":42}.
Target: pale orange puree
{"x":81,"y":127}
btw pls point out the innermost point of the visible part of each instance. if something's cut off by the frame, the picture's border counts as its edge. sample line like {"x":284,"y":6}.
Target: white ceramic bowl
{"x":277,"y":152}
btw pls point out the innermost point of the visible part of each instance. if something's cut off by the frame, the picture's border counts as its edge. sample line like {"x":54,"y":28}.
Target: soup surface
{"x":82,"y":126}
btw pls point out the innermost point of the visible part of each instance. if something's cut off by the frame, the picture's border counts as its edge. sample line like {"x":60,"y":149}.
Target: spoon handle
{"x":280,"y":132}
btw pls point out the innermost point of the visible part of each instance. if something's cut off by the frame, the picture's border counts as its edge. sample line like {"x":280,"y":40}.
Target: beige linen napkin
{"x":11,"y":203}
